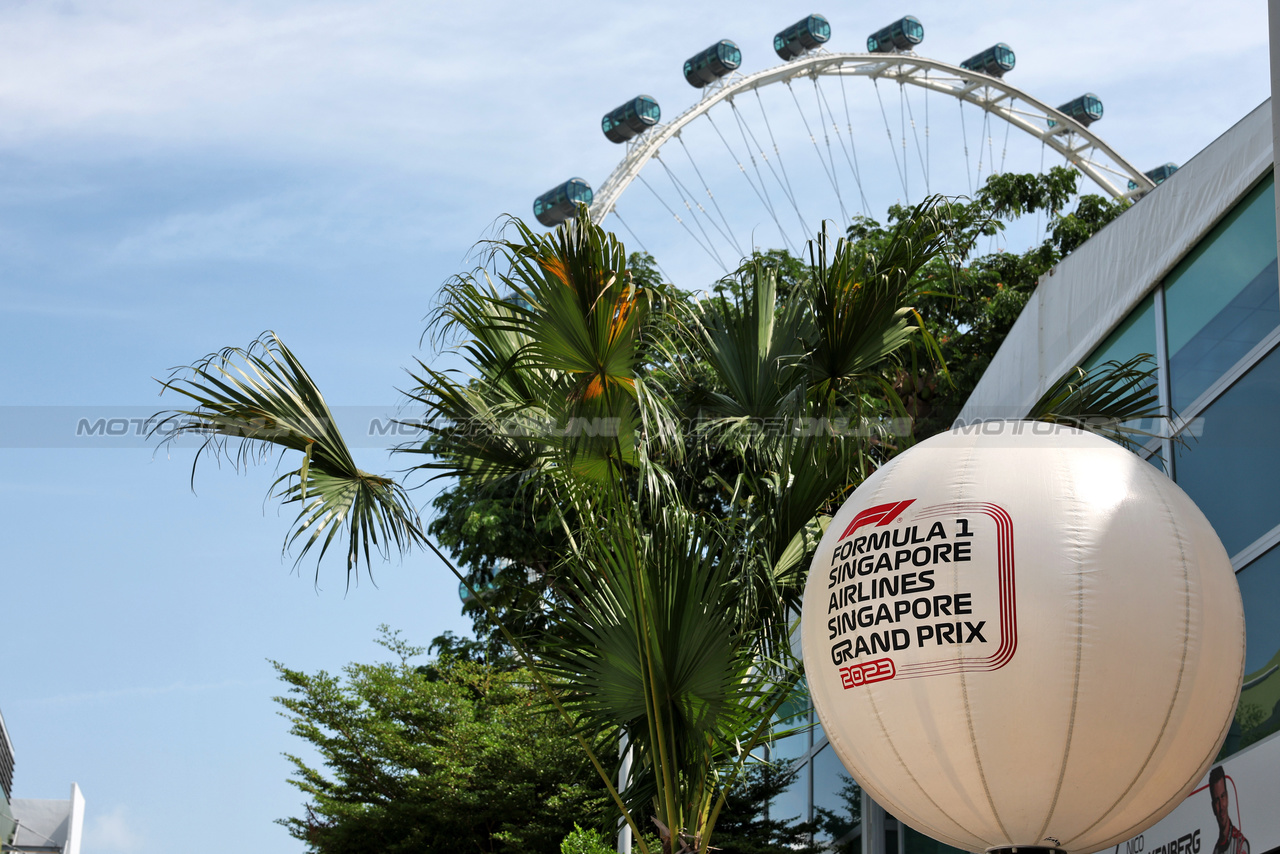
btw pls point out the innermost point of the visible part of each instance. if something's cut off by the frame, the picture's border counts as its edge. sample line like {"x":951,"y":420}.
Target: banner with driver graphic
{"x":1232,"y":810}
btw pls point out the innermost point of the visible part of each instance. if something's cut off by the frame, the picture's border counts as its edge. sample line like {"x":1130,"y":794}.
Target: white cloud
{"x":110,"y":831}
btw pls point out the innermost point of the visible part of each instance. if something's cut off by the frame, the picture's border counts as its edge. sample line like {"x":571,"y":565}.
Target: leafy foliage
{"x":455,"y":756}
{"x":971,"y":306}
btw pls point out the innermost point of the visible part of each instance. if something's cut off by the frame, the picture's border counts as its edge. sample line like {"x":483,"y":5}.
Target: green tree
{"x":455,"y":755}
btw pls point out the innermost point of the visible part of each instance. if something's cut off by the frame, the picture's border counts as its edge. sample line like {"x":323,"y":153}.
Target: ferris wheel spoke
{"x":826,"y":138}
{"x":853,"y":147}
{"x":785,"y":180}
{"x":1004,"y":152}
{"x":964,"y":136}
{"x":924,"y":169}
{"x":889,"y":133}
{"x":638,"y":242}
{"x":761,"y":192}
{"x":745,"y":131}
{"x":927,"y":161}
{"x":705,"y":248}
{"x":844,"y":147}
{"x":982,"y":139}
{"x":686,"y":197}
{"x":732,"y":238}
{"x":818,"y":151}
{"x":986,"y":129}
{"x":690,"y":202}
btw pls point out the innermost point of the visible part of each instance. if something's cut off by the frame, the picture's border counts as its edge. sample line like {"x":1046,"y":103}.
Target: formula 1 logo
{"x":881,"y":515}
{"x":867,"y":672}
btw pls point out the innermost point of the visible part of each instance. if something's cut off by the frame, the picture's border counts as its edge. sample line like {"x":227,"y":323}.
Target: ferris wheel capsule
{"x":1086,"y":109}
{"x":994,"y":61}
{"x":557,"y":205}
{"x":802,"y":36}
{"x":710,"y":65}
{"x":1159,"y":175}
{"x":631,"y":119}
{"x":902,"y":34}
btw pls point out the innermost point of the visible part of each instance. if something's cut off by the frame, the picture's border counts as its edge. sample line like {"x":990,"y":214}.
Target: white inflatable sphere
{"x":1023,"y":635}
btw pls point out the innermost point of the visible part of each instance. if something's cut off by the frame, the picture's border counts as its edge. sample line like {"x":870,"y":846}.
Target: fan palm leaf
{"x":1113,"y":399}
{"x":250,"y":400}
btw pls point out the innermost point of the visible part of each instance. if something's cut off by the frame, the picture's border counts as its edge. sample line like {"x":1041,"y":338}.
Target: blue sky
{"x":177,"y":177}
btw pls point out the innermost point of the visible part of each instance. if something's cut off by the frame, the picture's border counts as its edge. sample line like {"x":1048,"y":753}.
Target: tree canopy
{"x":457,"y":755}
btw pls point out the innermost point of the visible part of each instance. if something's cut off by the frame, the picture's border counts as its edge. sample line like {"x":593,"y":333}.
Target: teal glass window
{"x":1137,"y":334}
{"x":1224,"y":297}
{"x":1227,"y":467}
{"x":1258,"y":714}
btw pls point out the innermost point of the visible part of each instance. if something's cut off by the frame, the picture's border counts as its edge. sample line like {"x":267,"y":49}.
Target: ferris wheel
{"x":763,"y":158}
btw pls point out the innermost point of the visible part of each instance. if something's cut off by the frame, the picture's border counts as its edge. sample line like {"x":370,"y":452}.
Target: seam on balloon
{"x":968,"y":709}
{"x":1204,"y":766}
{"x":1182,"y":665}
{"x":1075,"y":684}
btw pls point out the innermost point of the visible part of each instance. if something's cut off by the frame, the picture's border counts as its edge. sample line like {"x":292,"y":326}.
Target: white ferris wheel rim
{"x":995,"y":96}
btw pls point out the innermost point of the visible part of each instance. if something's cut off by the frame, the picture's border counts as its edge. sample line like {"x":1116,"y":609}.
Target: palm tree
{"x":602,"y":401}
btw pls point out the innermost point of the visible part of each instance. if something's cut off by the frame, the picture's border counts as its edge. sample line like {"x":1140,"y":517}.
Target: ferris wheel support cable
{"x":991,"y":149}
{"x":889,"y":133}
{"x":828,"y":165}
{"x":787,"y":189}
{"x":733,"y":238}
{"x":964,"y":135}
{"x":684,"y":194}
{"x":1004,"y":152}
{"x":745,"y":131}
{"x":928,"y":188}
{"x":983,"y":138}
{"x":924,"y":170}
{"x":676,"y":216}
{"x":1080,"y":147}
{"x":844,"y":147}
{"x":784,"y":183}
{"x":640,"y":243}
{"x":742,"y":169}
{"x":853,"y":147}
{"x":902,"y":126}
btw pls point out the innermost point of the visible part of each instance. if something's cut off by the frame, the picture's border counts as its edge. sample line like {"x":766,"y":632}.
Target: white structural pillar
{"x":75,"y":823}
{"x":1273,"y":27}
{"x":624,"y":777}
{"x":873,"y":817}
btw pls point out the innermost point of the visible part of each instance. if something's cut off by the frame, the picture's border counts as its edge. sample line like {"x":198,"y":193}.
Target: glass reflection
{"x":1258,"y":714}
{"x":1233,"y":443}
{"x":793,"y":803}
{"x":837,"y":800}
{"x":1224,"y":297}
